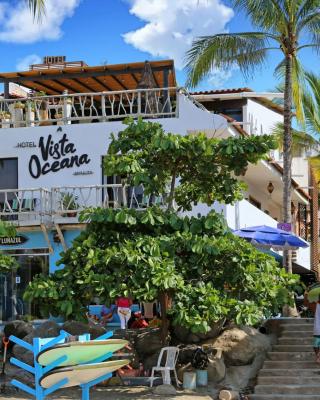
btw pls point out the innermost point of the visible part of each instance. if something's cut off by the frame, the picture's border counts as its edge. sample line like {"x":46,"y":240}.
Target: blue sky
{"x":115,"y":31}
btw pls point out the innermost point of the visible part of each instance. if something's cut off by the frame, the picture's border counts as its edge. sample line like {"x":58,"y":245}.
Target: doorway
{"x":12,"y":285}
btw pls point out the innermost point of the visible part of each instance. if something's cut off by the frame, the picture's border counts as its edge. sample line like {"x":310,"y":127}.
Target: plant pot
{"x":202,"y":377}
{"x":5,"y":123}
{"x":18,"y":120}
{"x":189,"y":380}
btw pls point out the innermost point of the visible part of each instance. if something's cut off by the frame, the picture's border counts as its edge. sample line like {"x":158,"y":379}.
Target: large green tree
{"x":198,"y":270}
{"x":286,"y":26}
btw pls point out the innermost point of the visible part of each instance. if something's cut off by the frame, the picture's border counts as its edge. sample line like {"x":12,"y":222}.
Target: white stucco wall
{"x":262,"y":120}
{"x":91,"y":139}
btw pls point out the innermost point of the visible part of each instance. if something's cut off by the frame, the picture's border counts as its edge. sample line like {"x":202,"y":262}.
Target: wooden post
{"x":6,"y":90}
{"x":228,"y":395}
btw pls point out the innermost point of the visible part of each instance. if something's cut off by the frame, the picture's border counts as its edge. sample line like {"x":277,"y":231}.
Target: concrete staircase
{"x":289,"y":371}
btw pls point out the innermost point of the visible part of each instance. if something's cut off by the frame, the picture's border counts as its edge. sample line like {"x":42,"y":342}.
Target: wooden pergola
{"x":85,"y":79}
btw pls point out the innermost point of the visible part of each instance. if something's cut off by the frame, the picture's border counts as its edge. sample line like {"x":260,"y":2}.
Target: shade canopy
{"x":268,"y":237}
{"x":85,"y":79}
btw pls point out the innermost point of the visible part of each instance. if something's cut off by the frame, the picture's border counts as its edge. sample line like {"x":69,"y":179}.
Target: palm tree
{"x":282,"y":26}
{"x":37,"y":7}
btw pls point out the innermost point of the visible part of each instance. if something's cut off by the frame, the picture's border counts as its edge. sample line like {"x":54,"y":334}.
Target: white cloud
{"x":171,"y":25}
{"x":24,"y":63}
{"x":218,"y":77}
{"x":18,"y":25}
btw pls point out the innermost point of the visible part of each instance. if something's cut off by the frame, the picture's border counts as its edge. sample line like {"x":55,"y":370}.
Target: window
{"x":8,"y":173}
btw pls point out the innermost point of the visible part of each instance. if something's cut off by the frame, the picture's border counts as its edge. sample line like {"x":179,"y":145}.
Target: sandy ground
{"x":115,"y":393}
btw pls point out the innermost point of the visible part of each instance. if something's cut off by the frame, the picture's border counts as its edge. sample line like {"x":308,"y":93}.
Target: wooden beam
{"x":119,"y":82}
{"x":65,"y":86}
{"x":46,"y":87}
{"x":61,"y":237}
{"x":82,"y":74}
{"x":101,"y":83}
{"x":83,"y":85}
{"x":46,"y":236}
{"x":135,"y":79}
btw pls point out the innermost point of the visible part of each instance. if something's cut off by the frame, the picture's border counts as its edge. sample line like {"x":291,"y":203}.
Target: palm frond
{"x":311,"y":102}
{"x":315,"y":165}
{"x":301,"y":141}
{"x":38,"y":8}
{"x":247,"y":50}
{"x":264,"y":13}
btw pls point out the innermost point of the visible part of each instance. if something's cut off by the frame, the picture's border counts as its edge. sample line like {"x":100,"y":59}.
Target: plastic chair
{"x":171,"y":354}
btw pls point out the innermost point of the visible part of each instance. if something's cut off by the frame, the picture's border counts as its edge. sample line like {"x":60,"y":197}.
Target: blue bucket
{"x":202,"y":377}
{"x":189,"y":380}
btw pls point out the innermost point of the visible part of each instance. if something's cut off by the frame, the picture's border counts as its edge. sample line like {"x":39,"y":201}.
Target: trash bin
{"x":189,"y":380}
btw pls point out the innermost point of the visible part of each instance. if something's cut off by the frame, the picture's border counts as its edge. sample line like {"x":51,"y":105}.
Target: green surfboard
{"x":81,"y":374}
{"x":80,"y":352}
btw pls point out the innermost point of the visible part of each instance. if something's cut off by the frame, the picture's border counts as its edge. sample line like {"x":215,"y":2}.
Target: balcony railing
{"x":30,"y":206}
{"x":88,"y":107}
{"x":34,"y":206}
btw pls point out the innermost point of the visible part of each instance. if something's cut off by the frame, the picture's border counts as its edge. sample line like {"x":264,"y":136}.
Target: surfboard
{"x":81,"y":374}
{"x":80,"y":352}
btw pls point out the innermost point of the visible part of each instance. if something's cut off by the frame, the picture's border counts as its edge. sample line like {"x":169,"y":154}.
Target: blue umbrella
{"x":266,"y":236}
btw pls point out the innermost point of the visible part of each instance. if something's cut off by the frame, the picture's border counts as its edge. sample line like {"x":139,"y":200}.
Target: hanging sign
{"x":284,"y":226}
{"x":13,"y":240}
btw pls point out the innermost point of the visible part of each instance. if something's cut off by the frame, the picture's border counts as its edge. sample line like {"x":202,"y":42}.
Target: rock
{"x":76,"y":328}
{"x":165,"y":390}
{"x":228,"y":395}
{"x":47,"y":330}
{"x":18,"y":328}
{"x":22,"y":354}
{"x":184,"y":335}
{"x":216,"y":367}
{"x":148,"y":342}
{"x":240,"y":345}
{"x":237,"y":377}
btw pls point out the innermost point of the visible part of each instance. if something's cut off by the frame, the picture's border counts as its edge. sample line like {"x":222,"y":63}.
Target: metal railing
{"x":32,"y":205}
{"x":23,"y":206}
{"x":88,"y":107}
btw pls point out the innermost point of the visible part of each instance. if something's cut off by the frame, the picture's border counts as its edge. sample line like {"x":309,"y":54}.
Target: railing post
{"x":139,"y":102}
{"x":65,"y":107}
{"x":177,"y":103}
{"x":103,"y":107}
{"x":28,"y":113}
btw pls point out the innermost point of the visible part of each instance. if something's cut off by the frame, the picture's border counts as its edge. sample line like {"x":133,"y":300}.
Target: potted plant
{"x":18,"y":108}
{"x":43,"y":108}
{"x":69,"y":202}
{"x":5,"y":117}
{"x":30,"y":112}
{"x":66,"y":103}
{"x":59,"y":117}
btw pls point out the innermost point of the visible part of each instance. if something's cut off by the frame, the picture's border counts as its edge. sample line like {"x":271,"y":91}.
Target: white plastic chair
{"x":170,"y":365}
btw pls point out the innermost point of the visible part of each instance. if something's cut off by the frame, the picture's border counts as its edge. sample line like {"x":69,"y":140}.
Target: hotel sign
{"x":56,"y":154}
{"x":12,"y":240}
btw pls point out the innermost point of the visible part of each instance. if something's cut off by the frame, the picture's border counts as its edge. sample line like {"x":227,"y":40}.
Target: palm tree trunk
{"x":287,"y":155}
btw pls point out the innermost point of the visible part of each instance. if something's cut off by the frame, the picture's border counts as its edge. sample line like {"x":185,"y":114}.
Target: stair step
{"x":289,"y":380}
{"x":292,"y":348}
{"x":296,"y":327}
{"x":295,"y":341}
{"x":288,"y":389}
{"x":309,"y":372}
{"x":290,"y":356}
{"x":290,"y":364}
{"x":297,"y":334}
{"x":284,"y":397}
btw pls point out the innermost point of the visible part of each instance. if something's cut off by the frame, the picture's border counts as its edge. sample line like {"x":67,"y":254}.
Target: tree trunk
{"x":287,"y":155}
{"x":165,"y":303}
{"x":171,"y":194}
